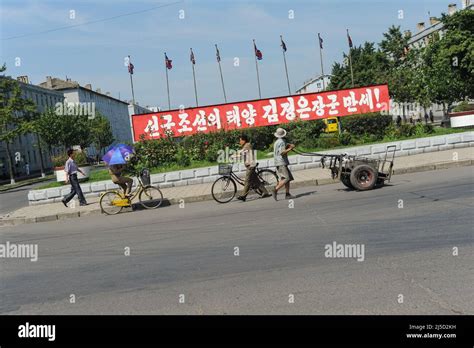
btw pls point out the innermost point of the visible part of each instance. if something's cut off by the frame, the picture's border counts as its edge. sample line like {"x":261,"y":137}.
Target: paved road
{"x":14,"y":199}
{"x":408,"y":255}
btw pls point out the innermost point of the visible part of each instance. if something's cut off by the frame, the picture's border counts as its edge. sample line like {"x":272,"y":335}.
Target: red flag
{"x":130,"y":66}
{"x":258,"y":53}
{"x":168,"y":62}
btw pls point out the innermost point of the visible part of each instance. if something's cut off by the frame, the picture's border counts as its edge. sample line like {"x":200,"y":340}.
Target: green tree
{"x":393,"y":46}
{"x":49,"y":127}
{"x":449,"y":61}
{"x":101,"y":132}
{"x":63,"y":129}
{"x":16,"y":115}
{"x":368,"y":66}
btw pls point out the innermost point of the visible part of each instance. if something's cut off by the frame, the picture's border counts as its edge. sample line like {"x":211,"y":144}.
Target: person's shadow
{"x":305,"y":194}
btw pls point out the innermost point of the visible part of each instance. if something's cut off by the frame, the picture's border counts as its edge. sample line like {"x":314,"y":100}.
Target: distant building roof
{"x":312,"y":80}
{"x":64,"y":85}
{"x":435,"y":24}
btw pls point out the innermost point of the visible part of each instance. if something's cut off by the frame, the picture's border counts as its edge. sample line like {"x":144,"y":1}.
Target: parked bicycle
{"x":224,"y":188}
{"x":149,"y":197}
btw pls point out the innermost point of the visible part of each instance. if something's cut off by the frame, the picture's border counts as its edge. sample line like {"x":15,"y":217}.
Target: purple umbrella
{"x":118,"y":154}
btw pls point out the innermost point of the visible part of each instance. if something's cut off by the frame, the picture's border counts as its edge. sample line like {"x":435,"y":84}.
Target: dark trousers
{"x":75,"y":189}
{"x":251,"y":179}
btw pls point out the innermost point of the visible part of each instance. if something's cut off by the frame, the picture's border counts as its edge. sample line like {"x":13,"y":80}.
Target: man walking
{"x":250,"y":176}
{"x":280,"y":156}
{"x":71,"y":170}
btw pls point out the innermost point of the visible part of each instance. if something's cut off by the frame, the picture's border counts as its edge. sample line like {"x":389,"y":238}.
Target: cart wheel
{"x":346,"y":180}
{"x":363,"y":177}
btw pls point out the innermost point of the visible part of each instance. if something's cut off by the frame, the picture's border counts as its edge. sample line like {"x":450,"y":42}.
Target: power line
{"x":92,"y":22}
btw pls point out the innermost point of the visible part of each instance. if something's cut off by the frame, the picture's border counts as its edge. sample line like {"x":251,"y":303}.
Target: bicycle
{"x":150,"y":197}
{"x":224,"y":188}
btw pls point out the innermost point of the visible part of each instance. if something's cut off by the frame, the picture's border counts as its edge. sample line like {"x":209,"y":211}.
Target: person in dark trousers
{"x":71,"y":170}
{"x":399,"y":121}
{"x":247,"y":155}
{"x":431,"y":116}
{"x":426,"y":117}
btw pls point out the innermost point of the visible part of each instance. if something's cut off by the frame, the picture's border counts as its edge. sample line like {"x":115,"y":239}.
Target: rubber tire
{"x":358,"y":171}
{"x":346,"y":180}
{"x":233,"y":185}
{"x":269,"y":173}
{"x":102,"y":202}
{"x":159,"y":200}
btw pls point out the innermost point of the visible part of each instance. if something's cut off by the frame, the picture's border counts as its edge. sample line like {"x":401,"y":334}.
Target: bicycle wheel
{"x":108,"y":203}
{"x":269,"y":177}
{"x":223,"y":189}
{"x":150,"y":197}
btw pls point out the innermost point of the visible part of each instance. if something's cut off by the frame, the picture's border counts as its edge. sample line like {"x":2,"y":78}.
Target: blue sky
{"x":94,"y":53}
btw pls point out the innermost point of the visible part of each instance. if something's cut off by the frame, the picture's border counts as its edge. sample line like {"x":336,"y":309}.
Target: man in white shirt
{"x":280,"y":156}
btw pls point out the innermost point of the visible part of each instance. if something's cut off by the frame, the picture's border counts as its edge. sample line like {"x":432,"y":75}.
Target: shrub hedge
{"x":305,"y":134}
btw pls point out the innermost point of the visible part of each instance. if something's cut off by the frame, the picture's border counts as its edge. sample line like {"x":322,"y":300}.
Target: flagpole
{"x":220,"y":70}
{"x":286,"y":68}
{"x":167,"y":85}
{"x":194,"y":77}
{"x":256,"y":66}
{"x":350,"y":60}
{"x":321,"y":58}
{"x":131,"y":84}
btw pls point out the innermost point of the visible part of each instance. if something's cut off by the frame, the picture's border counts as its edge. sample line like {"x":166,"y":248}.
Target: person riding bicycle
{"x":247,"y":154}
{"x":126,"y":183}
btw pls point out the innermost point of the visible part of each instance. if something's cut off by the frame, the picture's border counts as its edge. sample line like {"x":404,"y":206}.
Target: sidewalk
{"x":202,"y":192}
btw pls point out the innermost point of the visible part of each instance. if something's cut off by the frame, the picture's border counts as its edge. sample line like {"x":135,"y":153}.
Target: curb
{"x":208,"y":197}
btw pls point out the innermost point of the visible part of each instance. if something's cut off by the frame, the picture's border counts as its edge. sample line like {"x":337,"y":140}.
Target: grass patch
{"x":7,"y":187}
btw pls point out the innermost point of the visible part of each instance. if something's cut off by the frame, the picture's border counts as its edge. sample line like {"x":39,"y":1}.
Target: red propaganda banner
{"x":261,"y":112}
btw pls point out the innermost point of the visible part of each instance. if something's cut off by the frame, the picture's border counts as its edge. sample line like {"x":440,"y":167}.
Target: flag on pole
{"x":349,"y":39}
{"x":168,"y":62}
{"x":283,"y":45}
{"x":218,"y":55}
{"x":130,"y":66}
{"x":192,"y":57}
{"x":258,"y":53}
{"x":320,"y":41}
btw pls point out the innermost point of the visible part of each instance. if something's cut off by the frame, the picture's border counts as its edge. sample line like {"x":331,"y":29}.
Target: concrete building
{"x":435,"y":29}
{"x":424,"y":35}
{"x":115,"y":110}
{"x":24,"y":149}
{"x":315,"y":84}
